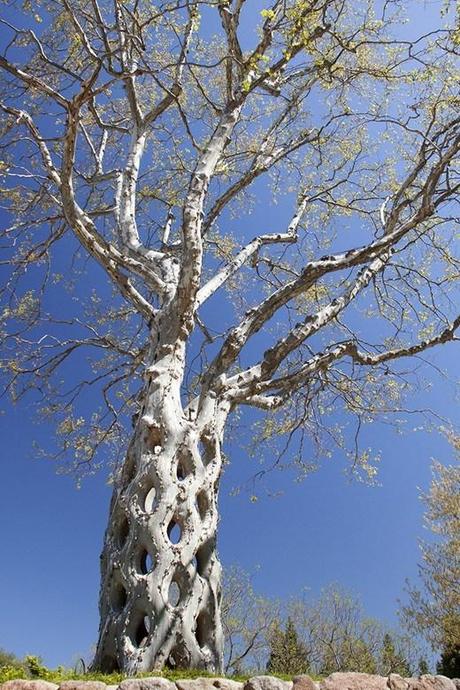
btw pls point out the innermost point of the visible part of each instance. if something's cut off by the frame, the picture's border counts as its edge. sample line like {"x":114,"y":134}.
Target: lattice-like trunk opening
{"x":161,"y":578}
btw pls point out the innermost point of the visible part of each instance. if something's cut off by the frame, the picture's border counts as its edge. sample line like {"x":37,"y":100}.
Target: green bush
{"x":36,"y":669}
{"x":11,"y":666}
{"x":10,"y":659}
{"x":8,"y":672}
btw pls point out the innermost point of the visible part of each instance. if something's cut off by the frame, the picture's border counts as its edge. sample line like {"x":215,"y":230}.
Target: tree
{"x":434,"y":611}
{"x":322,"y":635}
{"x":423,"y":667}
{"x":134,"y":141}
{"x":392,"y":660}
{"x":247,"y":619}
{"x":336,"y":632}
{"x":287,"y":653}
{"x":449,"y":664}
{"x":339,"y":636}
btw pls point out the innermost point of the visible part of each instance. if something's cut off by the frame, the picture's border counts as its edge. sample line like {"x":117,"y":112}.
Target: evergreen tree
{"x":449,"y":664}
{"x":423,"y":668}
{"x":287,"y":653}
{"x":392,"y":660}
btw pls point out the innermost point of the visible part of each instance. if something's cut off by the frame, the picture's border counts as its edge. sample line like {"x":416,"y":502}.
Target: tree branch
{"x":33,"y":82}
{"x":290,"y":236}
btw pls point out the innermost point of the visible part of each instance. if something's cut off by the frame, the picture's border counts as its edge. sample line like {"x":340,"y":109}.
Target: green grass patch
{"x":32,"y":668}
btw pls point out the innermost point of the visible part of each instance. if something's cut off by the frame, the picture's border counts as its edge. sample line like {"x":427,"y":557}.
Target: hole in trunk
{"x":204,"y":556}
{"x":202,"y":504}
{"x":150,"y":502}
{"x":146,"y":562}
{"x":170,"y":662}
{"x":174,"y":532}
{"x":184,"y":465}
{"x":203,"y":628}
{"x":109,"y":664}
{"x":154,"y":437}
{"x":178,"y":658}
{"x":122,"y":532}
{"x":174,"y":593}
{"x":142,"y":632}
{"x":140,"y":627}
{"x":207,"y":449}
{"x":118,"y":597}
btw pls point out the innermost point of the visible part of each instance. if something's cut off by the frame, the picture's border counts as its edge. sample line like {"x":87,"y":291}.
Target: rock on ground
{"x":82,"y":685}
{"x":267,"y":683}
{"x":152,"y":683}
{"x":396,"y":682}
{"x":304,"y":682}
{"x":209,"y":684}
{"x":336,"y":681}
{"x":431,"y":683}
{"x":227,"y":684}
{"x":354,"y":681}
{"x":19,"y":684}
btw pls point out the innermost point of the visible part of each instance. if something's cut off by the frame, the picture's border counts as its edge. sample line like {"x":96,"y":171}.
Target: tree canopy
{"x":433,"y":610}
{"x":117,"y":118}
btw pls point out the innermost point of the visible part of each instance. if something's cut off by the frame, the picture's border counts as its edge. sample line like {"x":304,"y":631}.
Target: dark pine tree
{"x":449,"y":664}
{"x":287,"y":653}
{"x":392,"y":660}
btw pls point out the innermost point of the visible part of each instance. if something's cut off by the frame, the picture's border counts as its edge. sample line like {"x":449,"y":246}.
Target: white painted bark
{"x":160,"y":599}
{"x":161,"y":577}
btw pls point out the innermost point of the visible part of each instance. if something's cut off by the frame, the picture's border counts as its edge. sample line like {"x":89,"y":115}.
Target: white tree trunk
{"x":161,"y":578}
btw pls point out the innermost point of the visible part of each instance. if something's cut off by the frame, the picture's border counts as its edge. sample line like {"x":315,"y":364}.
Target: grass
{"x":61,"y":674}
{"x":32,"y":668}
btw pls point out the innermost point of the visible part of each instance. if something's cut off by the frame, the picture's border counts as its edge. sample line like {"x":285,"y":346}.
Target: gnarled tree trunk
{"x":161,"y":578}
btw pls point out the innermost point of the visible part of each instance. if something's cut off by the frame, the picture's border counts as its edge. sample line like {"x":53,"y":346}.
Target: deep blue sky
{"x":322,"y":530}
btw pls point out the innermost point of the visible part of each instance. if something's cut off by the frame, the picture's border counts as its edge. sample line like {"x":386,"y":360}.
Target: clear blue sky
{"x":313,"y":533}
